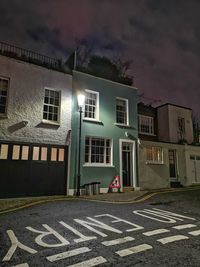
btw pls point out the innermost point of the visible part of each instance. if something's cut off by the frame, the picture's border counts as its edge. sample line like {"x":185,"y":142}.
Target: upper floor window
{"x":91,"y":105}
{"x":122,"y":111}
{"x":181,"y":124}
{"x":154,"y":154}
{"x":146,"y":125}
{"x":3,"y":94}
{"x":51,"y":107}
{"x":97,"y":151}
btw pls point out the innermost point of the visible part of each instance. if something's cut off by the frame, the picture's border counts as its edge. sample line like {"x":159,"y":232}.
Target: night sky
{"x":161,"y":37}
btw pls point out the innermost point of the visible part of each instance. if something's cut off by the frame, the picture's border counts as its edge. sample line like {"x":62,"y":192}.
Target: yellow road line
{"x":145,"y":197}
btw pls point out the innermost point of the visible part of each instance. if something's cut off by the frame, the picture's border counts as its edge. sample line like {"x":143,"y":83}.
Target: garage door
{"x":32,"y":169}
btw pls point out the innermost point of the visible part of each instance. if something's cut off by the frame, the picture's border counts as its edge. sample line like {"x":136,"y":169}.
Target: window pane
{"x":25,"y":150}
{"x":3,"y":94}
{"x":43,"y":153}
{"x":3,"y":151}
{"x":121,"y":111}
{"x":154,"y":154}
{"x":90,"y":105}
{"x":15,"y":154}
{"x":36,"y":151}
{"x":54,"y":154}
{"x":146,"y":124}
{"x":51,"y":106}
{"x":97,"y":150}
{"x":61,"y":154}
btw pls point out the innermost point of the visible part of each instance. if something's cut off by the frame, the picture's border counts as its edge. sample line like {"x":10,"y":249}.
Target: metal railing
{"x":30,"y":56}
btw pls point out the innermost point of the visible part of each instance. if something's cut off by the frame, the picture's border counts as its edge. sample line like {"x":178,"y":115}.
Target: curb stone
{"x":128,"y":201}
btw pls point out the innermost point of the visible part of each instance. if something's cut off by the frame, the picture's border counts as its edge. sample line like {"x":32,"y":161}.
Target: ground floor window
{"x":154,"y":154}
{"x":97,"y":150}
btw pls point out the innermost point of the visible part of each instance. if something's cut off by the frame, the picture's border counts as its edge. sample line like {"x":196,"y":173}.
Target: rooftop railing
{"x":30,"y":56}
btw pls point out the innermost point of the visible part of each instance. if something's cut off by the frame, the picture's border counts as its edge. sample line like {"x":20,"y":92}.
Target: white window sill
{"x":92,"y":120}
{"x":154,"y":163}
{"x":50,"y":122}
{"x":98,"y":165}
{"x":123,"y":125}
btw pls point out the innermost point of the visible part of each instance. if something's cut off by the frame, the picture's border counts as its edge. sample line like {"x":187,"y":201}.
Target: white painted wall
{"x":25,"y":103}
{"x":155,"y":176}
{"x":168,"y":123}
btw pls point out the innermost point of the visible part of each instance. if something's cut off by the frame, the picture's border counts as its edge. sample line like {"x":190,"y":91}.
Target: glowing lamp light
{"x":81,"y":100}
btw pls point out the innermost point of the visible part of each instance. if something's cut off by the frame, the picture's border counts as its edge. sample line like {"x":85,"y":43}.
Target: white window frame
{"x":97,"y":106}
{"x":127,"y":111}
{"x":154,"y":161}
{"x":150,"y":124}
{"x":7,"y":79}
{"x":104,"y":164}
{"x":59,"y":107}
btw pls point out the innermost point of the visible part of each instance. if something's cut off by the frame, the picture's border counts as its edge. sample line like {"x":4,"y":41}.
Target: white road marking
{"x":22,"y":265}
{"x":90,"y":263}
{"x":76,"y":232}
{"x":195,"y":233}
{"x":133,"y":250}
{"x":184,"y":226}
{"x":97,"y":224}
{"x":118,"y":241}
{"x":161,"y":215}
{"x":50,"y":231}
{"x":14,"y":244}
{"x":156,"y":232}
{"x":136,"y":226}
{"x":67,"y":254}
{"x":171,"y":239}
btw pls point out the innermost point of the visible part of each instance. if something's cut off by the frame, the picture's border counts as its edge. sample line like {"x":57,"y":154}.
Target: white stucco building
{"x":35,"y":123}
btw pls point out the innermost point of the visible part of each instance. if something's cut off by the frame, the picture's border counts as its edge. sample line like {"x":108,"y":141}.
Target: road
{"x":163,"y":231}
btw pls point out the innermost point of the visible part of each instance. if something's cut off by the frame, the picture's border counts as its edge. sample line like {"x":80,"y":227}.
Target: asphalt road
{"x":84,"y":233}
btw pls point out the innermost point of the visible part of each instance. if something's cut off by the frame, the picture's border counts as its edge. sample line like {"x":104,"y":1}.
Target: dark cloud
{"x":161,"y":37}
{"x":140,"y":25}
{"x":44,"y":35}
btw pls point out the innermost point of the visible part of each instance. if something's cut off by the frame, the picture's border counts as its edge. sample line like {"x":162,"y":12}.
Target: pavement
{"x":13,"y":204}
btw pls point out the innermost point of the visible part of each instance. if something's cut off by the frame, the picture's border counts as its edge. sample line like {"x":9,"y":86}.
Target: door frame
{"x":133,"y":163}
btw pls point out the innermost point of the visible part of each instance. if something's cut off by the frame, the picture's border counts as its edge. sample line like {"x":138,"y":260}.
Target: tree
{"x":100,"y":66}
{"x":103,"y":67}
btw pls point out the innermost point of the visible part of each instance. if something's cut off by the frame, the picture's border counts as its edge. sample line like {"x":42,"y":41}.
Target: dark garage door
{"x":32,"y":169}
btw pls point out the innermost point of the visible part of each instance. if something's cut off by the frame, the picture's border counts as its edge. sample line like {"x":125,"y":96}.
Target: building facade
{"x":167,"y":156}
{"x":35,"y":125}
{"x":109,"y":133}
{"x":175,"y":124}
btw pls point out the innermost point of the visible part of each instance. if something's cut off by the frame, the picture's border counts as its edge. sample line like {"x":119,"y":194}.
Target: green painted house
{"x":109,"y":133}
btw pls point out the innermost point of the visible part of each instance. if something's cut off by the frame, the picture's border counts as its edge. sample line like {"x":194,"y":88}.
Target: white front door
{"x":195,"y":168}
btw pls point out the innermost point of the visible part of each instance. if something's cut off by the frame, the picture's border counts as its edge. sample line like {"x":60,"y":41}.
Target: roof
{"x":170,"y":104}
{"x":100,"y":78}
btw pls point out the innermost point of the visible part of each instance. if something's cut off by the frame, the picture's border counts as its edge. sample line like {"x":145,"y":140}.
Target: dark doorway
{"x":172,"y":164}
{"x":127,"y":163}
